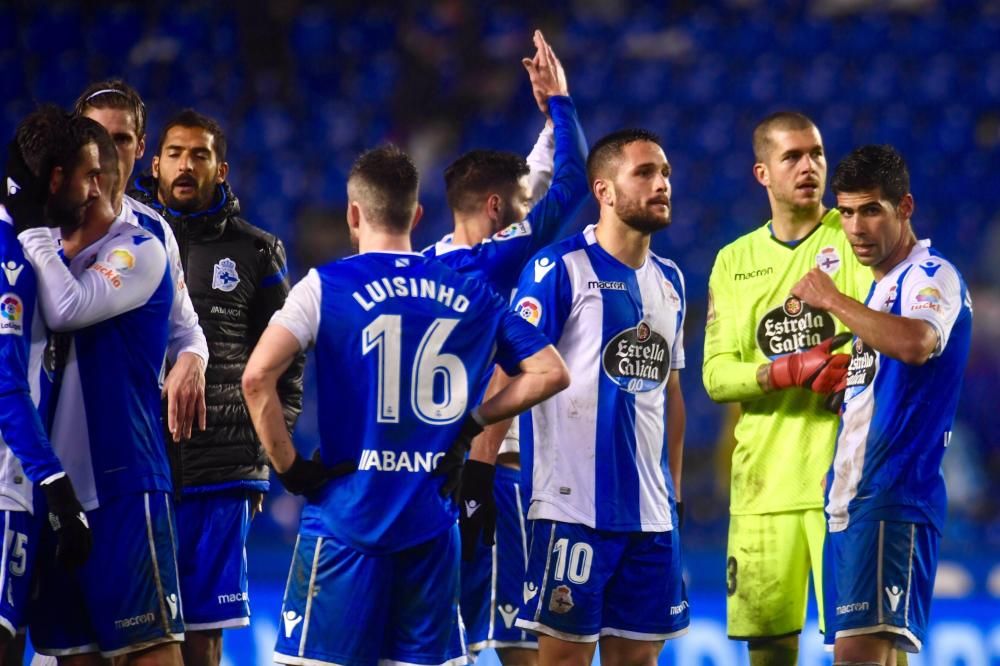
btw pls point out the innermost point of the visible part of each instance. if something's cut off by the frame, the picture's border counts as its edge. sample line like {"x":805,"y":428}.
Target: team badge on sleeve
{"x":11,"y":315}
{"x":224,"y":275}
{"x":530,"y":310}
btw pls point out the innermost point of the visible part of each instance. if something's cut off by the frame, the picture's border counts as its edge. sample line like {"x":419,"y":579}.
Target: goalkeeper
{"x":776,"y":356}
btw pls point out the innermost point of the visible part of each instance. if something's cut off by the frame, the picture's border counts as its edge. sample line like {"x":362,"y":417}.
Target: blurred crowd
{"x":302,"y":87}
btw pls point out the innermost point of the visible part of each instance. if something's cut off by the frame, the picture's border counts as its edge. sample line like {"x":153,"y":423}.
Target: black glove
{"x":24,"y":193}
{"x":680,"y":515}
{"x":450,"y":464}
{"x":305,"y":477}
{"x":477,"y":512}
{"x":69,"y":522}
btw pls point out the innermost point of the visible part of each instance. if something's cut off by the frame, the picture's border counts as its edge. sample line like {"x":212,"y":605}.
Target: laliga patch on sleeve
{"x":530,"y":310}
{"x":11,"y":314}
{"x":513,"y":231}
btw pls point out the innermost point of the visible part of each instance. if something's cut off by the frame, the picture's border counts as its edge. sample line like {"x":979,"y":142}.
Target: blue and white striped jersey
{"x":402,"y":343}
{"x":596,"y":453}
{"x":25,"y":453}
{"x":114,"y":298}
{"x":185,"y":335}
{"x":897,"y":418}
{"x":499,"y":259}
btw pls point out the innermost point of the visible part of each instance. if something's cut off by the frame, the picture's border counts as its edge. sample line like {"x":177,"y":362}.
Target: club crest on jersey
{"x":11,"y":314}
{"x":530,"y":310}
{"x":224,"y":275}
{"x":890,"y":298}
{"x":561,"y":600}
{"x":513,"y":231}
{"x":862,"y":368}
{"x":828,"y":260}
{"x":791,"y":327}
{"x":637,"y":359}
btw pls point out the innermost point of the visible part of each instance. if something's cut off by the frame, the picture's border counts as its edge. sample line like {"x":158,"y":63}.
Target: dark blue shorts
{"x":583,"y":584}
{"x":881,"y":577}
{"x":212,"y":531}
{"x":126,"y":597}
{"x":491,"y":583}
{"x":346,"y":607}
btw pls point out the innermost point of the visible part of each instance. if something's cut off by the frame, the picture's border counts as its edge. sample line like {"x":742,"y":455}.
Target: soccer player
{"x":604,"y":456}
{"x":114,"y":298}
{"x":774,"y":354}
{"x":118,"y":107}
{"x":886,"y":503}
{"x":42,"y":145}
{"x":402,"y":343}
{"x":490,"y":193}
{"x":237,"y":277}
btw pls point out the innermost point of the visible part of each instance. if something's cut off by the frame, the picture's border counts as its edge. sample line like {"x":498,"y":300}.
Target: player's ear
{"x":417,"y":216}
{"x":156,"y":167}
{"x":56,"y":179}
{"x":140,"y":148}
{"x":220,"y":177}
{"x":761,"y":174}
{"x":906,"y":207}
{"x":353,"y":216}
{"x":493,"y":203}
{"x":604,"y":192}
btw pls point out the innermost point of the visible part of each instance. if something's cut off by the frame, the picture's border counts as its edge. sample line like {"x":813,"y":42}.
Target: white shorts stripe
{"x":309,"y":596}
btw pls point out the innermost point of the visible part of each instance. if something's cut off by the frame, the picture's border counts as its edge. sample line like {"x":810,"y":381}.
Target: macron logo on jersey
{"x":542,"y":268}
{"x":12,"y":270}
{"x":398,"y":461}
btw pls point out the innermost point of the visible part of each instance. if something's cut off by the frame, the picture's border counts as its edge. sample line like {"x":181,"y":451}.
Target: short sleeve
{"x":516,"y":341}
{"x":301,"y":312}
{"x":932,"y":292}
{"x":544,"y":296}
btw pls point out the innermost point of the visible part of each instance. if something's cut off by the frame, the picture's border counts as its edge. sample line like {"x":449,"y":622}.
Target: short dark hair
{"x":48,"y":137}
{"x":386,"y":181}
{"x":191,"y":118}
{"x":870,"y":167}
{"x":780,"y":120}
{"x":113,"y":94}
{"x":479,"y":173}
{"x":608,"y":149}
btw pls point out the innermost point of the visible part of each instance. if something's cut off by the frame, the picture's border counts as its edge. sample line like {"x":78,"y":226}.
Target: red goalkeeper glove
{"x":816,"y":369}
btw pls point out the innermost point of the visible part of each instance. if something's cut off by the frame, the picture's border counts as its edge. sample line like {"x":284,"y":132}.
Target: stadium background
{"x":301,"y":88}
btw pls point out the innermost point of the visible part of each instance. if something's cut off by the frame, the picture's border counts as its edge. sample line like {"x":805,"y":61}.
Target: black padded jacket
{"x":237,"y":277}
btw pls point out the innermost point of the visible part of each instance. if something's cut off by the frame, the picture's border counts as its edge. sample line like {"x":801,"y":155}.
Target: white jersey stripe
{"x":564,"y":488}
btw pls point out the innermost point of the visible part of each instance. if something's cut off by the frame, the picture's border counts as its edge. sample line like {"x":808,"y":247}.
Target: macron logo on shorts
{"x":172,"y":602}
{"x":530,"y":590}
{"x":471,"y":506}
{"x":291,"y":620}
{"x":894,"y":594}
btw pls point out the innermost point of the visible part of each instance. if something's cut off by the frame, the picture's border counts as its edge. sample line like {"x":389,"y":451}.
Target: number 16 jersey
{"x":402,"y":343}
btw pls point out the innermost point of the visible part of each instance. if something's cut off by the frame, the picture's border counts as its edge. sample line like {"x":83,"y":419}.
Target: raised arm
{"x":125,"y":275}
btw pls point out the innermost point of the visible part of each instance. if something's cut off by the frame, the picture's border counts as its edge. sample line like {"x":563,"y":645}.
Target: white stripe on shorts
{"x":309,"y":597}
